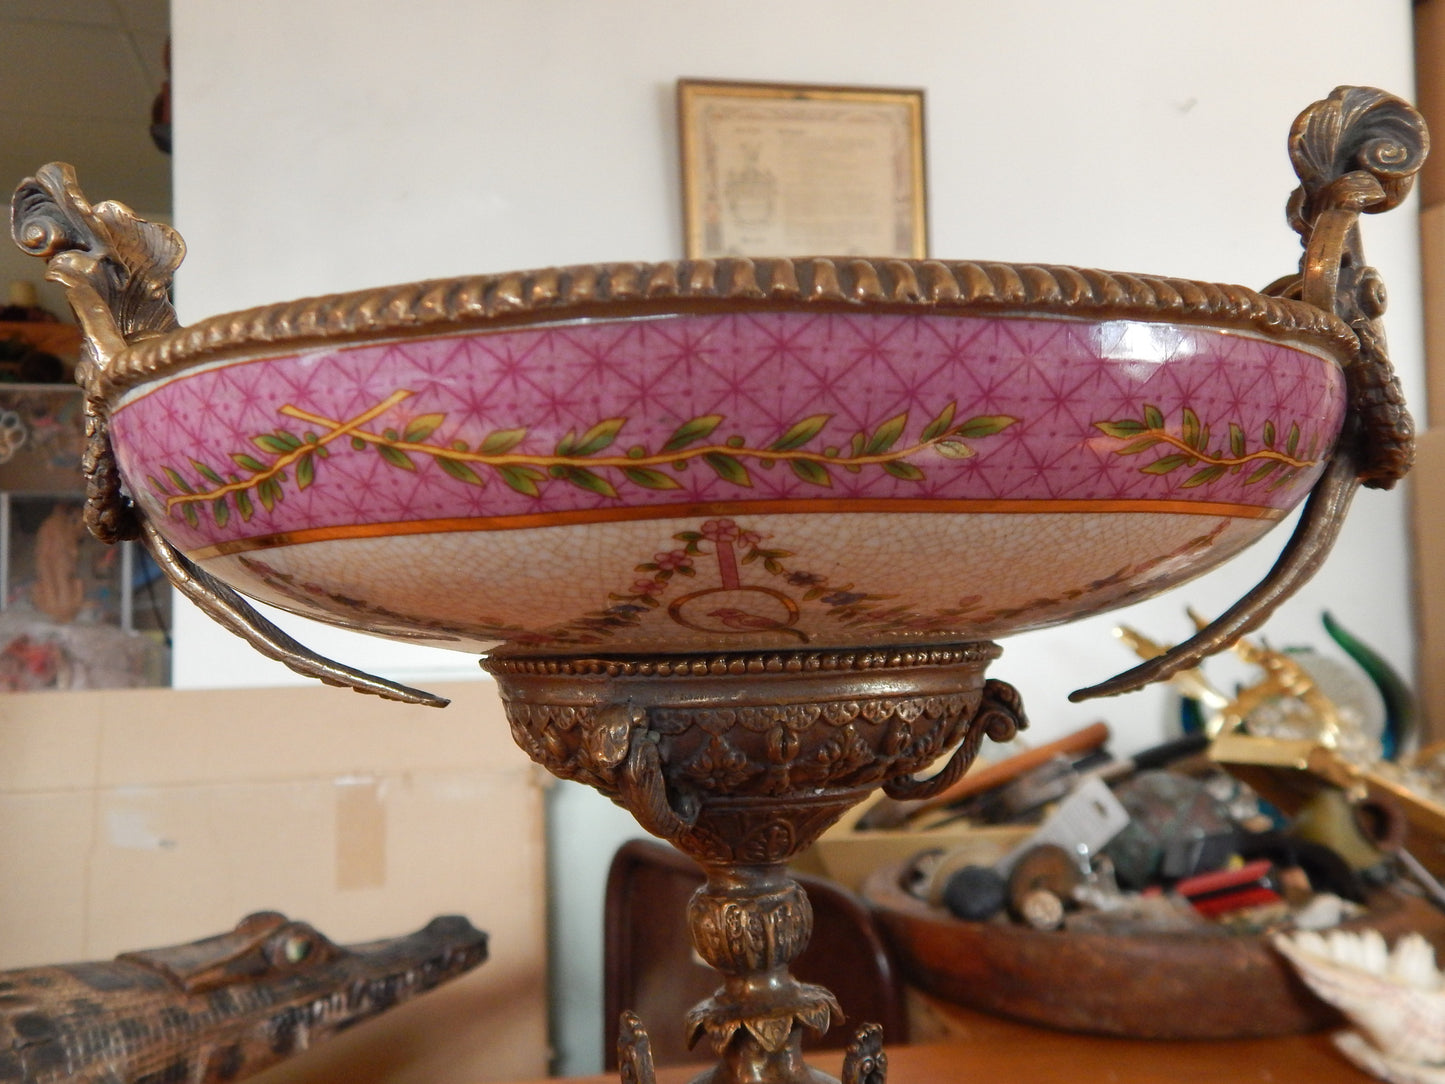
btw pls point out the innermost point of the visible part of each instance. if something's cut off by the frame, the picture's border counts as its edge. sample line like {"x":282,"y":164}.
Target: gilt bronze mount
{"x":741,"y":761}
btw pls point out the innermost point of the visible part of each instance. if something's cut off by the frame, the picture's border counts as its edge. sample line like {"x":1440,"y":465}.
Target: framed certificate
{"x":779,"y":169}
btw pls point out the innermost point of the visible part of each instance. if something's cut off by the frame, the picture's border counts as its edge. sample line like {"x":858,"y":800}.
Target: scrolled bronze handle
{"x":1000,"y":716}
{"x":117,"y":270}
{"x":1356,"y":152}
{"x":644,"y":790}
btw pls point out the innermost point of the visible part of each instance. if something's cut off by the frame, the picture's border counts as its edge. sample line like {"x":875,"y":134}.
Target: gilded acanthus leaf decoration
{"x":116,"y":270}
{"x":808,"y":1006}
{"x":1358,"y":149}
{"x":104,"y":250}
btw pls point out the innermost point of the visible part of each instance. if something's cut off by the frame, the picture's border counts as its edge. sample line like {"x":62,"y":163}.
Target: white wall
{"x":324,"y":146}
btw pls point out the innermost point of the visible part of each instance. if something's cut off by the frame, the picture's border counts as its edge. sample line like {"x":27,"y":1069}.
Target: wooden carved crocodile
{"x":218,"y":1009}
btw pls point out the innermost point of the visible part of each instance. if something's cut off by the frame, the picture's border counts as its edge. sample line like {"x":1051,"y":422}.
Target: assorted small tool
{"x":1164,"y":839}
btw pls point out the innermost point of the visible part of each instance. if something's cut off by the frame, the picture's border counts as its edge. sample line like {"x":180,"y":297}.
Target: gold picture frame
{"x":792,"y":169}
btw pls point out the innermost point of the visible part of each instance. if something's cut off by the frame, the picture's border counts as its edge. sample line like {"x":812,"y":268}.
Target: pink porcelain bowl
{"x":729,"y":455}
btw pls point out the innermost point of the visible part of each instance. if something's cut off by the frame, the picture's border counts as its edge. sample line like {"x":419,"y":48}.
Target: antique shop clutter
{"x":74,"y":614}
{"x":1274,"y":866}
{"x":1289,"y":804}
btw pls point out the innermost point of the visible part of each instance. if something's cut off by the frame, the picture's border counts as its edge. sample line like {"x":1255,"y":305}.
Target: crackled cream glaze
{"x":754,"y":479}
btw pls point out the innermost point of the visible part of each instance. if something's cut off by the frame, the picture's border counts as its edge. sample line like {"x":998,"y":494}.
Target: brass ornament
{"x":767,"y":932}
{"x":1000,"y":716}
{"x":117,"y":269}
{"x":229,"y":609}
{"x":707,"y":761}
{"x":634,"y":1052}
{"x":620,"y":291}
{"x":864,"y":1060}
{"x":741,"y":761}
{"x":1357,"y":153}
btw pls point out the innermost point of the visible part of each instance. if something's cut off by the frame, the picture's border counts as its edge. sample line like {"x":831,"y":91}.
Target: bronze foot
{"x":864,"y":1061}
{"x":634,"y":1051}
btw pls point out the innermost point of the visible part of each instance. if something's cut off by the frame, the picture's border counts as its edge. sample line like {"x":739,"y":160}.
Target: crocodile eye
{"x":295,"y":949}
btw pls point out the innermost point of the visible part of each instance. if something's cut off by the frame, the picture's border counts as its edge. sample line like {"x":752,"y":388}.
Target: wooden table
{"x":990,"y":1049}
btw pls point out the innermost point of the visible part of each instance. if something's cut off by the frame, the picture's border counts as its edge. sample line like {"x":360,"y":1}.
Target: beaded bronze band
{"x":636,"y":289}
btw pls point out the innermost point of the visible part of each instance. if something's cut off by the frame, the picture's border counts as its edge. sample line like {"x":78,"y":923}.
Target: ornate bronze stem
{"x":750,"y":923}
{"x":741,"y":761}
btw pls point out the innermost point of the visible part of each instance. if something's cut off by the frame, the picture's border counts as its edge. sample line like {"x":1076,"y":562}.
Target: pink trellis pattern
{"x":594,"y":417}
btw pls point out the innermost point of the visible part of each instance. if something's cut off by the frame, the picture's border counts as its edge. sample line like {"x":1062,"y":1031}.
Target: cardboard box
{"x":1427,"y":491}
{"x":849,"y":856}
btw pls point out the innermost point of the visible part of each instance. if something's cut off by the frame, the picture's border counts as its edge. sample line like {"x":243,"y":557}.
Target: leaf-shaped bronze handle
{"x":1356,"y":152}
{"x":116,"y":269}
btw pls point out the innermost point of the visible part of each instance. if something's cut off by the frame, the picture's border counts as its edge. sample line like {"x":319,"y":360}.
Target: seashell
{"x":1392,"y":1070}
{"x":1393,"y":997}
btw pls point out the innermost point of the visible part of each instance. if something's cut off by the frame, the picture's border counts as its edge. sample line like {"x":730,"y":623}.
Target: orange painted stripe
{"x":727,"y":508}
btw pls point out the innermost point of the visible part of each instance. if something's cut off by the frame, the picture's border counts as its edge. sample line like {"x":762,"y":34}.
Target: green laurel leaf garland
{"x":577,"y":459}
{"x":1190,"y":447}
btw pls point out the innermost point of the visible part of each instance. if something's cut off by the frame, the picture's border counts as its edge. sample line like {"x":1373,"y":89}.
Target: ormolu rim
{"x":728,"y":285}
{"x":505,"y":662}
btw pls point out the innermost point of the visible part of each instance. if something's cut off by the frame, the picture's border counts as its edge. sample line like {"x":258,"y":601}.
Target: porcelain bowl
{"x":729,"y":454}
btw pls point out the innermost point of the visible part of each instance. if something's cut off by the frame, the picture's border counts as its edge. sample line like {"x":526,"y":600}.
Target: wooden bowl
{"x":1185,"y":985}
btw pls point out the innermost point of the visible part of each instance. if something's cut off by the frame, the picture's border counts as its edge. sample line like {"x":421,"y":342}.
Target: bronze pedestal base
{"x":741,"y":761}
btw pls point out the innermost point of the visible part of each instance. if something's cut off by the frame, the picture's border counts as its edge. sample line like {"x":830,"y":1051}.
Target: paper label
{"x":1082,"y":824}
